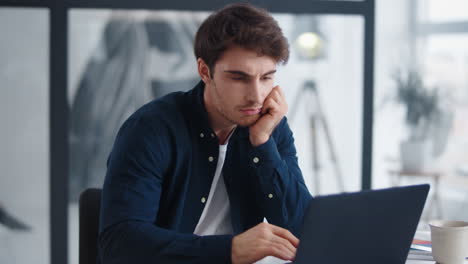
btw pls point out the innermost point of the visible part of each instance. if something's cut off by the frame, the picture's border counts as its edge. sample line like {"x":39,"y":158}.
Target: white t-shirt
{"x":216,"y":216}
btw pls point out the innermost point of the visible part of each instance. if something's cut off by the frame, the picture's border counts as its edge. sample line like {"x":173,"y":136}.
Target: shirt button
{"x":202,"y":135}
{"x":270,"y":195}
{"x":210,"y":159}
{"x":212,"y":135}
{"x":203,"y":199}
{"x":256,"y":160}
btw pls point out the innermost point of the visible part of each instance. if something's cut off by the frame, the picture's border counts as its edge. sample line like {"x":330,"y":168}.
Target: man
{"x":192,"y":175}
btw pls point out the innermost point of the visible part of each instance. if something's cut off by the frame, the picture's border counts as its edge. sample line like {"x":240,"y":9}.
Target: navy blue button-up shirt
{"x":163,"y":162}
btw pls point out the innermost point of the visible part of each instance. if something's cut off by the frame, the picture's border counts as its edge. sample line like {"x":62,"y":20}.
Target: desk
{"x":420,"y":234}
{"x":422,"y":262}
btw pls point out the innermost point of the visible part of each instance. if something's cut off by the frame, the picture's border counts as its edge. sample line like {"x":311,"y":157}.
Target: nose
{"x":255,"y":92}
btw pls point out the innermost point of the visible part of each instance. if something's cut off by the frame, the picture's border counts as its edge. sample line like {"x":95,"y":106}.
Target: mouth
{"x":251,"y":111}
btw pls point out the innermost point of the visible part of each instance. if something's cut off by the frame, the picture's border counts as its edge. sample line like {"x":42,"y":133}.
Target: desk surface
{"x":422,"y":262}
{"x":420,"y":234}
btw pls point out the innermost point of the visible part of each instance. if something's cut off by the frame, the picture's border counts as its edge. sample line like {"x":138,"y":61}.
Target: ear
{"x":203,"y":70}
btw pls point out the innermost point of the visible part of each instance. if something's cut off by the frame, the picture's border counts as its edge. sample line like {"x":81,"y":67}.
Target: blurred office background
{"x":121,"y":59}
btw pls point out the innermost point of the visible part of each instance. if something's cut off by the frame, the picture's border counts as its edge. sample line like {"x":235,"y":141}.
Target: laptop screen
{"x":368,"y":227}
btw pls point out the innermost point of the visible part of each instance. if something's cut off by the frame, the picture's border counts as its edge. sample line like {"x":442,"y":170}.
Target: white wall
{"x":24,"y":128}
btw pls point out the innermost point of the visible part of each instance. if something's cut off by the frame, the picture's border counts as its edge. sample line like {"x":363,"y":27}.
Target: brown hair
{"x":244,"y":25}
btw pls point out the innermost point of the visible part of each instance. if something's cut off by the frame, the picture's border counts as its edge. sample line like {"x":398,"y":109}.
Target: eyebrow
{"x":248,"y":75}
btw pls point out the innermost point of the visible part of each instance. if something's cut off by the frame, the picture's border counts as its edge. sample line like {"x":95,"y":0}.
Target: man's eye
{"x":238,"y":78}
{"x":267,"y":78}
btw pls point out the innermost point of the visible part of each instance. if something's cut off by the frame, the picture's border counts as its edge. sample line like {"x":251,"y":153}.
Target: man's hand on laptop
{"x":261,"y":241}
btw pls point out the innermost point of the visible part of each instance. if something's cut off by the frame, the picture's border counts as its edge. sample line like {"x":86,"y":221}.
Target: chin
{"x":248,"y":121}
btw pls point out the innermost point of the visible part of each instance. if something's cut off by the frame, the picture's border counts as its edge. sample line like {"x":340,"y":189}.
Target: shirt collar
{"x":198,"y":116}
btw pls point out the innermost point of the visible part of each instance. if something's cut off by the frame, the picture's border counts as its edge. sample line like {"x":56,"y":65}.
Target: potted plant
{"x":422,"y":111}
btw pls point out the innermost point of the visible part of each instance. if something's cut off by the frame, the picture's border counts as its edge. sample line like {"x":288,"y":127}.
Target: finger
{"x":280,"y":251}
{"x":278,"y":91}
{"x":277,"y":87}
{"x":284,"y":233}
{"x":283,"y":97}
{"x":276,"y":95}
{"x":281,"y":92}
{"x":286,"y":243}
{"x":273,"y":91}
{"x":270,"y":106}
{"x":267,"y":105}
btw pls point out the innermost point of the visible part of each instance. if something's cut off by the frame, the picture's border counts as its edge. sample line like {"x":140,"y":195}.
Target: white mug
{"x":449,"y":241}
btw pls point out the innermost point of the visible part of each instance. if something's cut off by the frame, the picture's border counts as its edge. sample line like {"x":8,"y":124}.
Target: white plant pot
{"x":415,"y":155}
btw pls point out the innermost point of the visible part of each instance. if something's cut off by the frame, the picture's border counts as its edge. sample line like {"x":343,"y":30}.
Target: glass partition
{"x":442,"y":10}
{"x":119,"y":60}
{"x":422,"y":138}
{"x":24,"y":136}
{"x":444,"y":67}
{"x":324,"y":88}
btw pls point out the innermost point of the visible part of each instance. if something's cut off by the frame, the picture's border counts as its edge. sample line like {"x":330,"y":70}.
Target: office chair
{"x":90,"y":205}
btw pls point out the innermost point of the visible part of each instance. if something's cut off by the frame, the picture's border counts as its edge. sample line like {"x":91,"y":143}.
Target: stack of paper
{"x":420,"y":250}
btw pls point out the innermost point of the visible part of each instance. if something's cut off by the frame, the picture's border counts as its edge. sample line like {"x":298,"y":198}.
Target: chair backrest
{"x":90,"y":205}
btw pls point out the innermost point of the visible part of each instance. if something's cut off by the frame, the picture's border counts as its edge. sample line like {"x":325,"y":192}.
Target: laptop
{"x":368,"y":227}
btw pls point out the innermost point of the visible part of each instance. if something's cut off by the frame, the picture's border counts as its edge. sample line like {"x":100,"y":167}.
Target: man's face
{"x":241,"y":81}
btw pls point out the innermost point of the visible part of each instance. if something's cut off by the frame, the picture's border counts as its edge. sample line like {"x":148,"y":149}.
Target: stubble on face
{"x":221,"y":107}
{"x":238,"y":86}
